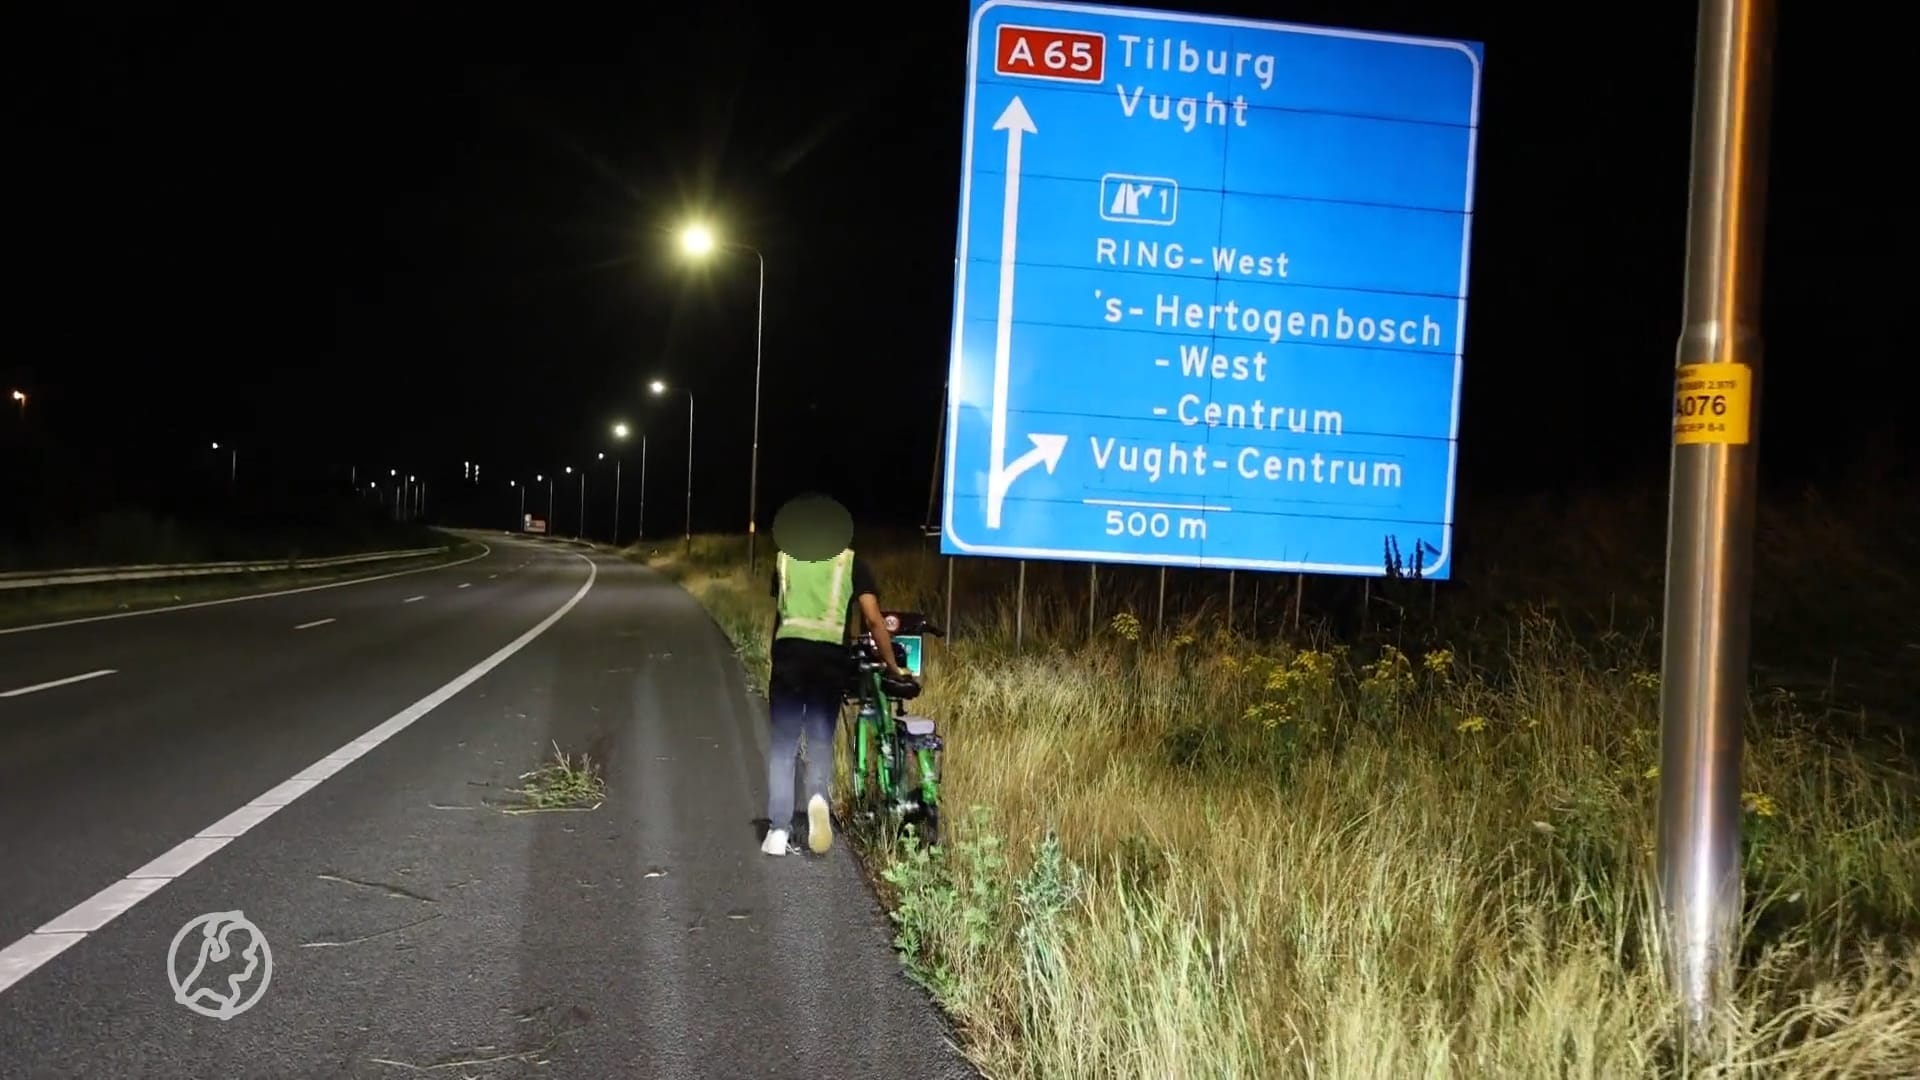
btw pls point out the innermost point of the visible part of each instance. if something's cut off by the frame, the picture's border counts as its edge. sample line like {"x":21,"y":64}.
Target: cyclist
{"x":817,"y":581}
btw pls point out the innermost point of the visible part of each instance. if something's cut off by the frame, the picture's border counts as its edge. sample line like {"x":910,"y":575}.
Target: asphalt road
{"x":333,"y":764}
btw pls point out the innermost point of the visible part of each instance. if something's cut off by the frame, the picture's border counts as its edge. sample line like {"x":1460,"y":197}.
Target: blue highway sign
{"x":1211,"y":287}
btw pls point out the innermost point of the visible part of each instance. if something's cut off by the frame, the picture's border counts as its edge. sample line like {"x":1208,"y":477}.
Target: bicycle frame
{"x":894,"y":770}
{"x":887,"y":748}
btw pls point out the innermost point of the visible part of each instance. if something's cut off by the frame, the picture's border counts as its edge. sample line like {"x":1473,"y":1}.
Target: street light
{"x":660,"y":387}
{"x":233,"y":453}
{"x":20,"y":398}
{"x":619,"y":432}
{"x":698,"y":241}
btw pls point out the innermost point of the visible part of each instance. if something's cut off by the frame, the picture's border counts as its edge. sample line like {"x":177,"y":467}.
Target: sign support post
{"x":1704,"y":662}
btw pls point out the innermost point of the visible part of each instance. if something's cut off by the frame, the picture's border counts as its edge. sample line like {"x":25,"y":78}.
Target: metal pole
{"x":580,"y":528}
{"x":640,"y":533}
{"x":1093,"y":598}
{"x":949,"y":626}
{"x":520,"y":523}
{"x":1299,"y":592}
{"x":1160,"y":608}
{"x":1704,"y":662}
{"x":1020,"y":606}
{"x":689,"y":471}
{"x":1229,"y":601}
{"x":616,"y":502}
{"x":549,"y":530}
{"x":753,"y":469}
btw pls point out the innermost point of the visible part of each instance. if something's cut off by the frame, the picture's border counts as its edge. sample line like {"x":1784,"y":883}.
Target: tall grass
{"x":1202,"y":854}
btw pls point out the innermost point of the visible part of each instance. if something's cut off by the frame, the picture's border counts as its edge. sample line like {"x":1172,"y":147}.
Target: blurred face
{"x":812,"y":528}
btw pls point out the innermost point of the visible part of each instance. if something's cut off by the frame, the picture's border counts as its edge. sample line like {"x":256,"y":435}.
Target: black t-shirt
{"x":801,"y":663}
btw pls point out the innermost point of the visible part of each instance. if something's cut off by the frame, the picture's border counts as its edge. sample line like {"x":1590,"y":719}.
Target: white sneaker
{"x":775,"y":843}
{"x":819,"y":825}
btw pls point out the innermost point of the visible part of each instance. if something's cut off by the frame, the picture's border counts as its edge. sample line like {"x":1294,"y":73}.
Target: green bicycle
{"x":895,"y":755}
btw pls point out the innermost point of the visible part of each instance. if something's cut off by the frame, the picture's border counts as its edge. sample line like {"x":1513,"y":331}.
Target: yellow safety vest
{"x":814,"y":596}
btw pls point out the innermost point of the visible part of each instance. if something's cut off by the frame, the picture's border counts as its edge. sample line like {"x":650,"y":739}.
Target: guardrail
{"x":33,"y":579}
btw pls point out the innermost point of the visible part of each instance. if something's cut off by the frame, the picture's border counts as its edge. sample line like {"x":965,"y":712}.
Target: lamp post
{"x":698,"y":240}
{"x":520,"y":523}
{"x":580,"y":523}
{"x":619,"y":432}
{"x":233,"y":453}
{"x":20,"y":399}
{"x":660,"y":387}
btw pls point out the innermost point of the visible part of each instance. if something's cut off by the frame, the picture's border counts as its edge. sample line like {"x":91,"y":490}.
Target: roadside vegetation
{"x":562,"y":782}
{"x":1411,"y":836}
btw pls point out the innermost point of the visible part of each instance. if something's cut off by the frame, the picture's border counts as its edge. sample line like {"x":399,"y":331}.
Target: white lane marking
{"x":68,"y":681}
{"x":24,"y":956}
{"x":490,"y":577}
{"x":466,"y":584}
{"x":484,"y":552}
{"x":413,"y":599}
{"x":314,"y":623}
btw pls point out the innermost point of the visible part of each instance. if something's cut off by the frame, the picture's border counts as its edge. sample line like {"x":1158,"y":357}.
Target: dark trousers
{"x":800,"y":707}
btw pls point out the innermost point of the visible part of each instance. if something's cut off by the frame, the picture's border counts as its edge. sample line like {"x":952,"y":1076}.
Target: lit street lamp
{"x":20,"y":398}
{"x":580,"y":525}
{"x":660,"y":387}
{"x":619,"y":432}
{"x":233,"y":453}
{"x":699,"y":241}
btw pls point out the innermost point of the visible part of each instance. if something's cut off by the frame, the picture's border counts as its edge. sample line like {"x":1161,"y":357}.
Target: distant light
{"x":538,"y":477}
{"x":697,"y":240}
{"x":603,"y":455}
{"x":513,"y":483}
{"x":569,"y":470}
{"x":619,"y":431}
{"x":393,"y":472}
{"x":658,"y":387}
{"x":20,"y":396}
{"x":216,"y":446}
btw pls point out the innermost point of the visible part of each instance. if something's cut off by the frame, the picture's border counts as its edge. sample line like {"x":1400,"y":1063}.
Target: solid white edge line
{"x":26,"y":955}
{"x":412,"y":599}
{"x":314,"y":623}
{"x":485,"y":550}
{"x":68,"y":681}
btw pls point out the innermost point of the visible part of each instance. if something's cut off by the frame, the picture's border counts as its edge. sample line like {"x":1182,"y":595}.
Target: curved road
{"x":332,"y":764}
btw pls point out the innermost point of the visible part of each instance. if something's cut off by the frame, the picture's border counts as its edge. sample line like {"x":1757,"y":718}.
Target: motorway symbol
{"x":1220,"y":318}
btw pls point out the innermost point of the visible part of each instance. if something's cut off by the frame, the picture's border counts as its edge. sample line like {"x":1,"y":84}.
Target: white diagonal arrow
{"x":1046,"y":448}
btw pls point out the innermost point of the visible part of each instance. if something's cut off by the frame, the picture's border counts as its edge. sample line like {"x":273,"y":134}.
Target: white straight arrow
{"x":1046,"y":448}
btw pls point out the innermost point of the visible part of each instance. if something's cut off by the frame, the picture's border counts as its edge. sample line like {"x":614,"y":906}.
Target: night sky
{"x":394,"y":235}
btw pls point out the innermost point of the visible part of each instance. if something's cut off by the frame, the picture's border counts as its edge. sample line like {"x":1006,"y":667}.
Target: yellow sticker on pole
{"x":1713,"y":403}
